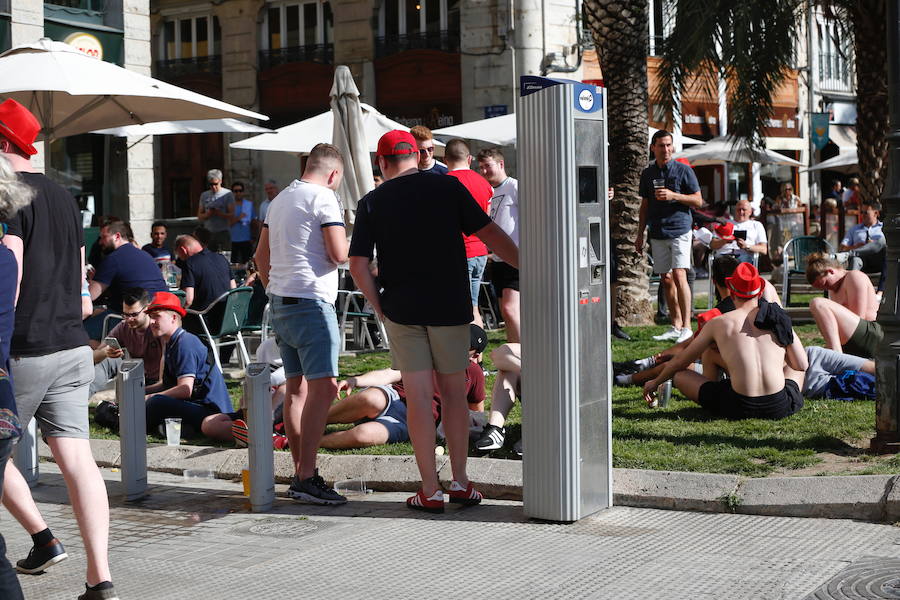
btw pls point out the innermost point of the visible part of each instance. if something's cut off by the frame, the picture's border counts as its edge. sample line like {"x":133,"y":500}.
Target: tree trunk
{"x":870,"y":34}
{"x":620,"y":32}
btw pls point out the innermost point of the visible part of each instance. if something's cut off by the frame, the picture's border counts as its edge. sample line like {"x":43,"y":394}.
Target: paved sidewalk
{"x":199,"y":540}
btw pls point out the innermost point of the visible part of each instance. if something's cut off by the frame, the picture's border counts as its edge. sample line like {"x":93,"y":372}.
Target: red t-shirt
{"x":474,"y":389}
{"x":482,"y":191}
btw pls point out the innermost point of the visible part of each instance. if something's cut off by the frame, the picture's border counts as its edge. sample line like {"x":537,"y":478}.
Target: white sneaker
{"x":672,"y":334}
{"x":842,"y":257}
{"x":684,"y":334}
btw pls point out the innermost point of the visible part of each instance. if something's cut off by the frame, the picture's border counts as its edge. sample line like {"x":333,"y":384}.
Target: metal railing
{"x":177,"y":67}
{"x":319,"y":53}
{"x":835,"y":73}
{"x":445,"y":41}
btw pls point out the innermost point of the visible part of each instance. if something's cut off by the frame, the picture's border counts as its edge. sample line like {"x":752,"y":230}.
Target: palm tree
{"x":619,"y":30}
{"x":751,"y":46}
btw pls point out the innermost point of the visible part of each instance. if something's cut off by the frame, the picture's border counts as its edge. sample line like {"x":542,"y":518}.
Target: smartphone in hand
{"x":112,"y":342}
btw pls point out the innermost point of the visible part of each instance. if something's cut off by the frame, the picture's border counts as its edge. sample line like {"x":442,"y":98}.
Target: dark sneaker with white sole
{"x":106,"y":592}
{"x":314,"y":490}
{"x":492,"y":438}
{"x":40,"y":559}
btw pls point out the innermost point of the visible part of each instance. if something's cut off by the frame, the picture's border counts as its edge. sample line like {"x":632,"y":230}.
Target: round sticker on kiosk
{"x":586,"y":100}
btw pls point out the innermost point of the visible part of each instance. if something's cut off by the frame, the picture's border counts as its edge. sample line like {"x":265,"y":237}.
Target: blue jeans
{"x":9,"y":584}
{"x":476,"y":272}
{"x":308,"y":336}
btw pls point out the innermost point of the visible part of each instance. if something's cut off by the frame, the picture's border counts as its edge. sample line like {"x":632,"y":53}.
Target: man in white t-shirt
{"x":747,"y":246}
{"x":302,"y":242}
{"x":505,"y":213}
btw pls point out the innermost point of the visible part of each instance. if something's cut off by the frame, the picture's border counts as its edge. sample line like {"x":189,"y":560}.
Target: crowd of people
{"x":54,"y":353}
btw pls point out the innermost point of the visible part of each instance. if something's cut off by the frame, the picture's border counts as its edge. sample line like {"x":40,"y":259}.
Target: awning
{"x":843,"y":136}
{"x":787,"y":143}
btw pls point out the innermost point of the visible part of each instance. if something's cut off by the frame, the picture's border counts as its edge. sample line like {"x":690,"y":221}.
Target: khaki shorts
{"x":426,"y":347}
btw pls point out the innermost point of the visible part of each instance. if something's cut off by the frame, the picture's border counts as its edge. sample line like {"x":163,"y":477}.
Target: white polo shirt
{"x":300,"y":265}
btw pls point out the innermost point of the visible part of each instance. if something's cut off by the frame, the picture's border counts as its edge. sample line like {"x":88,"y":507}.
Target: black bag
{"x":107,"y":415}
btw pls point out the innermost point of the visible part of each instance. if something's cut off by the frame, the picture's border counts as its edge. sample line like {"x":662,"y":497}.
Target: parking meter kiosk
{"x":565,"y":299}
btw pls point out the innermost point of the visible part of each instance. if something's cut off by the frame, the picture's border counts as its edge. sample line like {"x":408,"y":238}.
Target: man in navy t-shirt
{"x":124,"y":266}
{"x":425,"y":146}
{"x":205,"y":276}
{"x":157,"y":248}
{"x":669,"y":190}
{"x":192,"y":387}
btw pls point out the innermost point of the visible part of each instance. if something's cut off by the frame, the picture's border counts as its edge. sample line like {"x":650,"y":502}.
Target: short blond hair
{"x":817,"y":265}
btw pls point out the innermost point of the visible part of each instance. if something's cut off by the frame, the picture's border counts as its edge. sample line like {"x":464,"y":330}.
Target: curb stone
{"x":863,"y":497}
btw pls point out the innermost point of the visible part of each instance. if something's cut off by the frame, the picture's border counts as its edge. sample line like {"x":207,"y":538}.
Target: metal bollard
{"x":26,"y":457}
{"x":132,"y":428}
{"x":259,"y":424}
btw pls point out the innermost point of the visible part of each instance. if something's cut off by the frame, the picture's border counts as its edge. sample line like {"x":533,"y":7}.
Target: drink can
{"x":663,"y":393}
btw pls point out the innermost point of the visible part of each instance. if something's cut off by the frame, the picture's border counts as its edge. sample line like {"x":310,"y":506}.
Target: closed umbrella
{"x":72,"y":93}
{"x":349,"y":135}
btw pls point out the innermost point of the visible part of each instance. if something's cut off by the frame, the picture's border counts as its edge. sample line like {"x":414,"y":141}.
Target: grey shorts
{"x":672,"y":253}
{"x":54,"y":390}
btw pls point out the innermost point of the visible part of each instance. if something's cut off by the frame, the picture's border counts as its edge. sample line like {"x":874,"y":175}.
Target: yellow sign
{"x":87,"y":43}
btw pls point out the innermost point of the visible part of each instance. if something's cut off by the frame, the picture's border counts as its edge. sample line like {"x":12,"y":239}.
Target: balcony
{"x":445,"y":41}
{"x":835,"y":74}
{"x":168,"y":70}
{"x":317,"y":53}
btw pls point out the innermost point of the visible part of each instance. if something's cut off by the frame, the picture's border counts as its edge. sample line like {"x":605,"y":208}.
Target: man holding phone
{"x":744,"y":237}
{"x":133,"y":336}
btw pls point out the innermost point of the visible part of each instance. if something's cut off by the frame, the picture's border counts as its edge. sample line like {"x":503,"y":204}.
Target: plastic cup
{"x":659,"y":183}
{"x":245,"y":480}
{"x":173,"y":432}
{"x":350,"y":487}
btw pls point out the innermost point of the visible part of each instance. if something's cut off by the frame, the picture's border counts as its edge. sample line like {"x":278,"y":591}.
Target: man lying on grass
{"x":766,"y":365}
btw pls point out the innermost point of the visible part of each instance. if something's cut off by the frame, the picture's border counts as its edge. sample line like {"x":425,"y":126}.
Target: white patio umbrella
{"x":721,"y":149}
{"x":349,"y":135}
{"x":71,"y":93}
{"x":300,"y":137}
{"x":845,"y":162}
{"x":193,"y":126}
{"x":502,"y":131}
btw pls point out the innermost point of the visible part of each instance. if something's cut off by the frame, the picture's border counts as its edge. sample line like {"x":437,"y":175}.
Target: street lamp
{"x":887,"y":400}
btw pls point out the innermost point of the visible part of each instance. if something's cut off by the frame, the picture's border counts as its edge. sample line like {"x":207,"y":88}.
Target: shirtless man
{"x":765,"y":377}
{"x":847,"y":318}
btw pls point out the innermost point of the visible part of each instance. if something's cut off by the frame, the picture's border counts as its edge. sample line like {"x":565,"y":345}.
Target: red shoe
{"x":467,"y":496}
{"x":434,"y":504}
{"x":280,"y":442}
{"x":239,"y":433}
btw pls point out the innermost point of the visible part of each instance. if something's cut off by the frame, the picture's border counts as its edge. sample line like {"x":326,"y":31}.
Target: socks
{"x":646,"y":363}
{"x":42,"y":538}
{"x":623,"y":380}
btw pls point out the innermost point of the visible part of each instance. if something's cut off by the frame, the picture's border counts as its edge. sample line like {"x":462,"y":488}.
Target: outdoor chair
{"x":798,"y":249}
{"x":351,"y":309}
{"x":489,"y":306}
{"x":233,"y":306}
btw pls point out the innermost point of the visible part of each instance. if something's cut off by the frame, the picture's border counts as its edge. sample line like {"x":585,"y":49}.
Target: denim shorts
{"x":308,"y":336}
{"x":476,"y":272}
{"x":393,"y":417}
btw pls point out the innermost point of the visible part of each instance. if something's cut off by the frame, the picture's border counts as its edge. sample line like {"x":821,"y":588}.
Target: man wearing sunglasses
{"x":425,"y":145}
{"x":134,"y":337}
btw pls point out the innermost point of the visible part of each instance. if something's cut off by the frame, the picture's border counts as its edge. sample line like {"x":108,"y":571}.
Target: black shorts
{"x":720,"y":399}
{"x":503,"y":276}
{"x":613,"y":262}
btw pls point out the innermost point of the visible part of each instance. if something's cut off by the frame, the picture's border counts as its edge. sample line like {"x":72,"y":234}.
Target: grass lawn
{"x":825,"y":437}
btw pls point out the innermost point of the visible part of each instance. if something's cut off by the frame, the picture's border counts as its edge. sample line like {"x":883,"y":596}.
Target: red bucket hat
{"x":166,"y":301}
{"x":725,"y":231}
{"x":746,"y":282}
{"x":387,"y":145}
{"x":19,"y":126}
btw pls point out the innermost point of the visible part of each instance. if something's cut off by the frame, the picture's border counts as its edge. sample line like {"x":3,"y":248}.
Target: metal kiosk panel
{"x":563,"y":211}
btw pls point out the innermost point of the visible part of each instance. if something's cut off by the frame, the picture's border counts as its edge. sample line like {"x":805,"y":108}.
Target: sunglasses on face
{"x":427,"y":150}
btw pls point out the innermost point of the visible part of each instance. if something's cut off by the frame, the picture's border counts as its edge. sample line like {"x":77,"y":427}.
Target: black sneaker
{"x":40,"y":559}
{"x":314,"y":490}
{"x":491,"y":438}
{"x":107,"y":593}
{"x":620,"y":333}
{"x":517,"y":448}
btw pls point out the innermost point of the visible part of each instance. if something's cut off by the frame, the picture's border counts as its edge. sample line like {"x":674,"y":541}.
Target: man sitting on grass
{"x":639,"y":372}
{"x":192,"y":387}
{"x":847,"y":317}
{"x":379,"y":409}
{"x":765,"y":365}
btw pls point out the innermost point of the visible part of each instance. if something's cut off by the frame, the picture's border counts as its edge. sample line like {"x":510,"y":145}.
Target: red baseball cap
{"x":166,"y":301}
{"x":725,"y":231}
{"x":746,"y":282}
{"x":19,"y":126}
{"x":387,"y":145}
